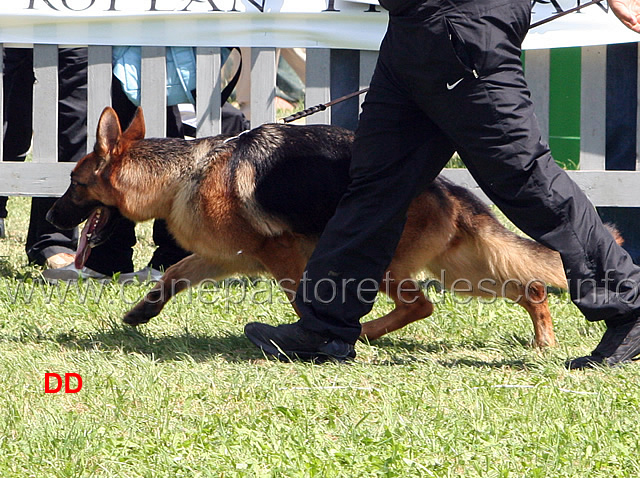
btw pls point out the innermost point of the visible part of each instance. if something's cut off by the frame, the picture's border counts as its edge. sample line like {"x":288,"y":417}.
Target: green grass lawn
{"x":460,"y":394}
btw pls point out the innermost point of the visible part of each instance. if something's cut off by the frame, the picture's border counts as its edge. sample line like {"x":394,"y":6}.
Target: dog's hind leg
{"x":410,"y":305}
{"x":535,"y":302}
{"x":532,"y":296}
{"x":285,"y":258}
{"x":186,"y":273}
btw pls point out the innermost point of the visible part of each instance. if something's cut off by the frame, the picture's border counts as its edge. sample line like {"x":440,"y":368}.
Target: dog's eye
{"x":78,"y":184}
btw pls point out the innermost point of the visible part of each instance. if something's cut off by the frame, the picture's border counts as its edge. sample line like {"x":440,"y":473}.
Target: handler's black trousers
{"x":43,"y":239}
{"x":449,"y":78}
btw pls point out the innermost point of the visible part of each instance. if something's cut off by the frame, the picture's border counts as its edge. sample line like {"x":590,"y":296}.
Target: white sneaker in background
{"x":70,"y":273}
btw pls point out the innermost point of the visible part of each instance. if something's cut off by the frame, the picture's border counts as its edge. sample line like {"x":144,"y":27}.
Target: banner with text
{"x":355,"y":24}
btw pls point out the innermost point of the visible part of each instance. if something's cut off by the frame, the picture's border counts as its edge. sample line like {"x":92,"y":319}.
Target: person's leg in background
{"x":18,"y":101}
{"x":168,"y":252}
{"x":46,"y":243}
{"x":116,"y":256}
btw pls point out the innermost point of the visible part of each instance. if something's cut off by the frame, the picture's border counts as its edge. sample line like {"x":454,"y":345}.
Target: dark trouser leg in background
{"x":43,"y":239}
{"x":18,"y":85}
{"x":168,"y":251}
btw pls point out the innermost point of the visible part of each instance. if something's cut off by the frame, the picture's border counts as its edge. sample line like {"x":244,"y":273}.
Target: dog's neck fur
{"x":170,"y":163}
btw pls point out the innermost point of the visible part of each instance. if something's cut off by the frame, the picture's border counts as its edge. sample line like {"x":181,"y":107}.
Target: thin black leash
{"x":563,"y":13}
{"x":323,"y":106}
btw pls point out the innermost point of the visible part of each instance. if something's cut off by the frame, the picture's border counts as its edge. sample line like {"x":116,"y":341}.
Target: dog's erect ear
{"x":108,"y":133}
{"x":136,"y":129}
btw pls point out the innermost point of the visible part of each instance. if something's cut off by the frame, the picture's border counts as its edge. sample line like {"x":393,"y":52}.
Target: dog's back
{"x":291,"y":177}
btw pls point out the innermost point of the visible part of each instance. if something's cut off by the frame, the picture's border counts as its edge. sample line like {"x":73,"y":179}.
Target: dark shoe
{"x":619,"y":344}
{"x":290,"y":341}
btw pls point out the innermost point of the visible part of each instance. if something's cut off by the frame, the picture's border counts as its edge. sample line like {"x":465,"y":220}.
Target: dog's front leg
{"x":187,"y":273}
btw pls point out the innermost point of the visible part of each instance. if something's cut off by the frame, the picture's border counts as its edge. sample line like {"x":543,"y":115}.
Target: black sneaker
{"x":619,"y":344}
{"x":291,"y":341}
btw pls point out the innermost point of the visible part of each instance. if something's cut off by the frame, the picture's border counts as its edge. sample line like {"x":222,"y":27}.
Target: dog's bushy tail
{"x":521,"y":260}
{"x":485,"y":252}
{"x":512,"y":257}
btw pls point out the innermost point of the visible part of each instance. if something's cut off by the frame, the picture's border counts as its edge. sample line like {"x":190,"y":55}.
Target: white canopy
{"x":356,"y":24}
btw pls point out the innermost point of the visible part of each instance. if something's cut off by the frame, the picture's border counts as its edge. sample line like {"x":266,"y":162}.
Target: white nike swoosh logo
{"x":453,"y":85}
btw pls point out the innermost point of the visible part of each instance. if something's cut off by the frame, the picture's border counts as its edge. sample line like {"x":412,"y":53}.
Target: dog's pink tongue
{"x":83,"y":251}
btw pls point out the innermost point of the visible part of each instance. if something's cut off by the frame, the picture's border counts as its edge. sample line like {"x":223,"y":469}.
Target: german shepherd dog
{"x":257,"y":203}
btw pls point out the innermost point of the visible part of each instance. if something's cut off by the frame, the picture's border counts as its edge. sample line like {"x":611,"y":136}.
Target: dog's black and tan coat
{"x":258,"y":202}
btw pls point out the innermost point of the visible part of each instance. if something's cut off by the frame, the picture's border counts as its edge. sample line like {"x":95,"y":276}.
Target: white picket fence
{"x":45,"y":177}
{"x":604,"y":188}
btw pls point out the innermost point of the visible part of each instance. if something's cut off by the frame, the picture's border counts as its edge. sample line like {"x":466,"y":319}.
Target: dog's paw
{"x":140,"y":314}
{"x":134,"y":318}
{"x":145,"y":310}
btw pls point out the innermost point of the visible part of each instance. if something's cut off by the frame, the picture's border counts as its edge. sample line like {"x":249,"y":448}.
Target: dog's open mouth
{"x":91,"y":234}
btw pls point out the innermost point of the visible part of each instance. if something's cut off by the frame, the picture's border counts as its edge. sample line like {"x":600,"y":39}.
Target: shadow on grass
{"x":517,"y":364}
{"x":413,"y":351}
{"x":237,"y":348}
{"x":185,"y":346}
